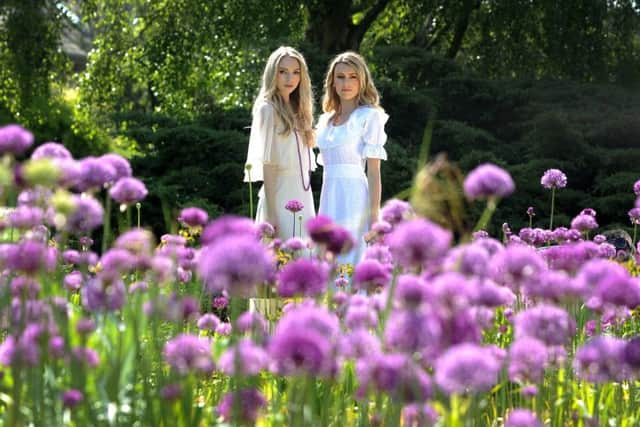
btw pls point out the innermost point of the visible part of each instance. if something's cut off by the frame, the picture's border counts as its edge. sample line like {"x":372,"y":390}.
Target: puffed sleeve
{"x":263,"y":130}
{"x":373,"y":135}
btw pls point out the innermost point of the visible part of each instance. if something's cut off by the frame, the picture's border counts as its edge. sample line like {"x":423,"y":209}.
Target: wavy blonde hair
{"x":298,"y":113}
{"x":367,"y":95}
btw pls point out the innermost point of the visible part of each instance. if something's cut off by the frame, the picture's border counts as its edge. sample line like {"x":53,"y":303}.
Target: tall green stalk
{"x":248,"y":168}
{"x":553,"y":201}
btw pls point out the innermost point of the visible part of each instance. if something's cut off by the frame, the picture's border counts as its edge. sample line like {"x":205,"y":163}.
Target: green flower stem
{"x":492,"y":203}
{"x":293,"y":231}
{"x":248,"y":168}
{"x":106,"y":229}
{"x":553,"y":201}
{"x":635,"y":233}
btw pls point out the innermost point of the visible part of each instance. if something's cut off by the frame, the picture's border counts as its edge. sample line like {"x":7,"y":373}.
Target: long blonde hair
{"x":367,"y":95}
{"x":299,"y":111}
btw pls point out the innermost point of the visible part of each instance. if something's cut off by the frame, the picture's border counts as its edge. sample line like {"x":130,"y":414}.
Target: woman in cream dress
{"x":281,"y":142}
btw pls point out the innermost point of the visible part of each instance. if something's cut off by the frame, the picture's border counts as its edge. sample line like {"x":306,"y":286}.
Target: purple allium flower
{"x":115,"y":262}
{"x":634,"y":215}
{"x":244,"y":358}
{"x":371,"y":275}
{"x":193,"y":217}
{"x":480,"y":234}
{"x":86,"y":216}
{"x":31,"y":257}
{"x":94,"y":173}
{"x":72,"y":398}
{"x":606,"y":250}
{"x":73,"y":281}
{"x":236,"y":264}
{"x":228,"y":225}
{"x":294,"y":244}
{"x":252,"y":322}
{"x":23,"y":350}
{"x":632,"y":353}
{"x":416,"y":242}
{"x":189,"y":353}
{"x":219,"y":302}
{"x":419,"y":415}
{"x":516,"y":265}
{"x":468,"y":259}
{"x":411,"y":291}
{"x":171,"y":392}
{"x":304,"y":341}
{"x":97,"y":295}
{"x":599,"y":239}
{"x":360,"y":316}
{"x":252,"y":403}
{"x":266,"y":230}
{"x":602,"y":360}
{"x":380,"y":253}
{"x":294,"y":206}
{"x":51,"y":150}
{"x":553,"y":285}
{"x":85,"y":326}
{"x":522,"y":418}
{"x":550,"y":324}
{"x":341,"y":282}
{"x":488,"y":180}
{"x":413,"y":331}
{"x":25,"y":286}
{"x":382,"y":227}
{"x":527,"y":360}
{"x":208,"y":322}
{"x":636,"y":188}
{"x":584,"y":222}
{"x":553,"y":178}
{"x":128,"y":190}
{"x":358,"y":344}
{"x":324,"y":231}
{"x":138,"y":241}
{"x":15,"y":139}
{"x":119,"y":164}
{"x":224,"y":329}
{"x":394,"y":211}
{"x":530,"y":211}
{"x":618,"y":289}
{"x":25,"y":217}
{"x":86,"y":355}
{"x":303,"y":277}
{"x":395,"y":374}
{"x":466,"y":368}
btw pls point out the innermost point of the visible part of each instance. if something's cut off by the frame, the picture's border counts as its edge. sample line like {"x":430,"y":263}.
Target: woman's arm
{"x":270,"y":175}
{"x":375,"y":188}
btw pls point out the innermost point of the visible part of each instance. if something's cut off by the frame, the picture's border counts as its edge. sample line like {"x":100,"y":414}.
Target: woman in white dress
{"x":281,"y":142}
{"x":351,"y":139}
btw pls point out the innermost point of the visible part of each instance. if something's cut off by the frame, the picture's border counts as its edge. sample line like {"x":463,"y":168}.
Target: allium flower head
{"x":515,"y":265}
{"x":530,"y":211}
{"x":634,"y":215}
{"x":189,"y":353}
{"x":527,"y":360}
{"x":128,"y":190}
{"x":632,"y":353}
{"x":413,"y":331}
{"x":394,"y":211}
{"x":245,"y":358}
{"x":584,"y":222}
{"x":419,"y":415}
{"x":416,"y":242}
{"x":467,"y":368}
{"x":235,"y":264}
{"x":87,"y":215}
{"x":72,"y":398}
{"x":14,"y":139}
{"x":94,"y":173}
{"x":294,"y":206}
{"x":120,"y":165}
{"x":488,"y":180}
{"x":193,"y":217}
{"x":553,"y":178}
{"x":31,"y":257}
{"x":51,"y":150}
{"x":522,"y":418}
{"x":602,"y":360}
{"x":303,"y":277}
{"x":411,"y":291}
{"x":266,"y":230}
{"x":208,"y":322}
{"x":636,"y":188}
{"x":252,"y":403}
{"x":228,"y":225}
{"x":468,"y":259}
{"x":395,"y":374}
{"x":359,"y":343}
{"x":324,"y":231}
{"x":549,"y":324}
{"x":138,"y":241}
{"x":371,"y":275}
{"x":25,"y":217}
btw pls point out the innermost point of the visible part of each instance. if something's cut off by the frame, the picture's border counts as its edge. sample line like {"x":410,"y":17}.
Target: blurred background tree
{"x":526,"y":85}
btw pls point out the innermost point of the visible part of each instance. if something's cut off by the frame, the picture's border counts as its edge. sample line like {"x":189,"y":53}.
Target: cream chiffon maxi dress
{"x":293,"y":161}
{"x":344,"y":150}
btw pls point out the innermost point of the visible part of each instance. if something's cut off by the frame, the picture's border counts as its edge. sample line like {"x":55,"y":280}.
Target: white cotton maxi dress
{"x":344,"y":150}
{"x":268,"y":146}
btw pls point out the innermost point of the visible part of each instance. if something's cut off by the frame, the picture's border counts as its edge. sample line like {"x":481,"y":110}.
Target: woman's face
{"x":288,"y":76}
{"x":346,"y":82}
